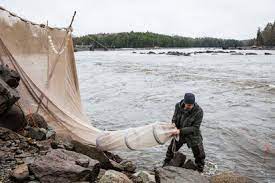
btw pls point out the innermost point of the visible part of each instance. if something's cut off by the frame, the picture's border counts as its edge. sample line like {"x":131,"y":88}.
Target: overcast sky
{"x":236,"y":19}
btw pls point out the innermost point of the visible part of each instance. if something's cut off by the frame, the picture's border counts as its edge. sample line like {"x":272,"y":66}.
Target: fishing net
{"x":44,"y":58}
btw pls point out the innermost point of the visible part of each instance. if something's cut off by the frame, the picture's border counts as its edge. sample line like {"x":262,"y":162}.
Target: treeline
{"x":149,"y":39}
{"x":266,"y":37}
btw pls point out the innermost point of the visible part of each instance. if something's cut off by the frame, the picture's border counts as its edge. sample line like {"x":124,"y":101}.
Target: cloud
{"x":237,"y":19}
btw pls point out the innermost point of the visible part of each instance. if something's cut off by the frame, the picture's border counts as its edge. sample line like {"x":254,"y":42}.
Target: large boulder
{"x":112,"y":176}
{"x":60,"y":165}
{"x":94,"y":153}
{"x":172,"y":174}
{"x":229,"y":177}
{"x":13,"y":119}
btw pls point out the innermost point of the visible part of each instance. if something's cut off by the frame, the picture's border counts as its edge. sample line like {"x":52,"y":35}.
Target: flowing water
{"x":121,"y":89}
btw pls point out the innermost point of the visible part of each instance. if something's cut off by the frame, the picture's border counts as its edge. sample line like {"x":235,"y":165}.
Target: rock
{"x":59,"y":165}
{"x":178,"y":160}
{"x":44,"y":145}
{"x":238,"y":53}
{"x":128,"y":166}
{"x":13,"y":119}
{"x":93,"y":153}
{"x":174,"y":53}
{"x":36,"y":133}
{"x":101,"y":173}
{"x":115,"y":166}
{"x":51,"y":134}
{"x":82,"y":162}
{"x":266,"y":53}
{"x":8,"y":96}
{"x":172,"y":174}
{"x":229,"y":177}
{"x":112,"y":156}
{"x":9,"y":76}
{"x":36,"y":120}
{"x":151,"y":52}
{"x":21,"y":172}
{"x":251,"y":54}
{"x":29,"y":160}
{"x":9,"y":135}
{"x":145,"y":177}
{"x":190,"y":165}
{"x":112,"y":176}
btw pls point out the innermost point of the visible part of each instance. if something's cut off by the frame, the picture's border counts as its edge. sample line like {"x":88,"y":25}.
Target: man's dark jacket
{"x":188,"y":123}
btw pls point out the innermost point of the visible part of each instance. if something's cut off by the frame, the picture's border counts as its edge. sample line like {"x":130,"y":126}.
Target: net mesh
{"x":44,"y":58}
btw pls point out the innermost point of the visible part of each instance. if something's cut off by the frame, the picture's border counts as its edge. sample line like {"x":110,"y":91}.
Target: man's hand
{"x":176,"y":132}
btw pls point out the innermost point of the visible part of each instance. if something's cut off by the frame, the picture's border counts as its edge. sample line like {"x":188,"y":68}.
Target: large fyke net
{"x":44,"y":58}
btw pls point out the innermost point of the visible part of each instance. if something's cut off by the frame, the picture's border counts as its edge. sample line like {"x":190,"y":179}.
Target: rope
{"x":60,"y":49}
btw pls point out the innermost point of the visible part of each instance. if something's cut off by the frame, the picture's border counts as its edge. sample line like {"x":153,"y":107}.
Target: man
{"x":187,"y":118}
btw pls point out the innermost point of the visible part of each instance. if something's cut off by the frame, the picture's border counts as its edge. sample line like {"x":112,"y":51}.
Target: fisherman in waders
{"x":187,"y":118}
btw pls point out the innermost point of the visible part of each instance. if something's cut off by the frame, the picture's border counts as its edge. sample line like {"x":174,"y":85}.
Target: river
{"x":121,"y":89}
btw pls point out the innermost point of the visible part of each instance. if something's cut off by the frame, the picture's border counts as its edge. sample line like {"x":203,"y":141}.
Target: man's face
{"x":188,"y":106}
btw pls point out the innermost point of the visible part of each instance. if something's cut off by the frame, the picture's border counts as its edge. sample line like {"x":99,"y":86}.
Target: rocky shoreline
{"x":213,"y":52}
{"x":30,"y":160}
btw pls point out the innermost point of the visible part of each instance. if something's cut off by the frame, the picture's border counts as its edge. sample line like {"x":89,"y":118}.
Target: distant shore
{"x":87,"y":48}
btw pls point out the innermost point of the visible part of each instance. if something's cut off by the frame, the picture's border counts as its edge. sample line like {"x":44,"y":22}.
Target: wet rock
{"x":36,"y":120}
{"x":190,"y":165}
{"x":251,"y":54}
{"x":112,"y":176}
{"x":36,"y":133}
{"x":21,"y":172}
{"x":266,"y":53}
{"x":238,"y":53}
{"x":113,"y":157}
{"x":230,"y":177}
{"x":172,"y":174}
{"x":115,"y":166}
{"x":145,"y":177}
{"x":178,"y":160}
{"x":174,"y":53}
{"x":209,"y":51}
{"x":59,"y":165}
{"x":128,"y":166}
{"x":151,"y":52}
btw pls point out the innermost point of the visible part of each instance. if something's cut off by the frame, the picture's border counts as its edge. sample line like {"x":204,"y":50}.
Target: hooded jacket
{"x":188,"y":122}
